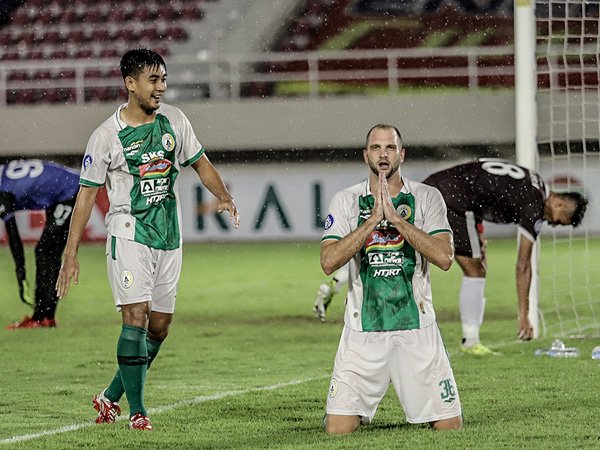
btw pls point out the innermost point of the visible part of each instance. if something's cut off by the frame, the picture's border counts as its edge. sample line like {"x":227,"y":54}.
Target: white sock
{"x":340,"y":278}
{"x":472,"y":306}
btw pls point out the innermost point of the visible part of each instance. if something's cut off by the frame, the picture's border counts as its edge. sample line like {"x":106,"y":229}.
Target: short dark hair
{"x":383,"y":126}
{"x":580,"y":206}
{"x":135,"y":61}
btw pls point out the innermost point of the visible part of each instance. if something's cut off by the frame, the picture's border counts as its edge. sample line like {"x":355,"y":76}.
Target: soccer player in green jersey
{"x":137,"y":153}
{"x":389,"y":230}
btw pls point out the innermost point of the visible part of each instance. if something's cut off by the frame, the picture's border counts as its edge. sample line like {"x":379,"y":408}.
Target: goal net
{"x":568,"y":136}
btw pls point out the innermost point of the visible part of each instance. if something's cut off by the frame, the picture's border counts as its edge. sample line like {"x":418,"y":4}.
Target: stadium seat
{"x":19,"y":75}
{"x":86,"y":29}
{"x":42,"y":75}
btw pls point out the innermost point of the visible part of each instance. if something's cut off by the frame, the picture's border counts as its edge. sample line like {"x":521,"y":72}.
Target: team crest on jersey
{"x":328,"y":221}
{"x":333,"y":388}
{"x":404,"y":211}
{"x":156,"y":168}
{"x":168,"y":142}
{"x":126,"y":279}
{"x":87,"y":162}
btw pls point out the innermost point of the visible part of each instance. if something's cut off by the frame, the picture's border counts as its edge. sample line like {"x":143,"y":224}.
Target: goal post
{"x":557,"y":94}
{"x":526,"y":120}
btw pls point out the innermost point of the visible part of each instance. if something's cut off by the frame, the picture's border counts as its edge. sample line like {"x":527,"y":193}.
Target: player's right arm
{"x":69,"y":268}
{"x":7,"y":201}
{"x":523,"y":275}
{"x":336,"y":253}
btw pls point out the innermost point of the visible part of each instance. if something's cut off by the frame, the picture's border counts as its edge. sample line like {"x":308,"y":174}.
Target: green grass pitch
{"x":247,"y":365}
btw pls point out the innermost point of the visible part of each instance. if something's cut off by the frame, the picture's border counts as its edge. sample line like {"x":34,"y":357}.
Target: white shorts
{"x":414,"y":361}
{"x":138,"y":273}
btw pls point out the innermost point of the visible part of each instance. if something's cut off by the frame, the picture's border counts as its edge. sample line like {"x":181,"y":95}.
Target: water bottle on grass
{"x":559,"y":350}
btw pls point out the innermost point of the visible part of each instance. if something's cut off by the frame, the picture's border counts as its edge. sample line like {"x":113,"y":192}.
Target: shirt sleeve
{"x":190,"y":150}
{"x":531,"y":221}
{"x":337,"y":223}
{"x":435,"y":213}
{"x":96,"y":160}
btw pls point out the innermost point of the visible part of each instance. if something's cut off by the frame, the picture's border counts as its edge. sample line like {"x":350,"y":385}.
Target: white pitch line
{"x":160,"y":409}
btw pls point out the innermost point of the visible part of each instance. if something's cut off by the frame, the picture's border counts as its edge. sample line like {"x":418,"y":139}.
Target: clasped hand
{"x":383,"y":207}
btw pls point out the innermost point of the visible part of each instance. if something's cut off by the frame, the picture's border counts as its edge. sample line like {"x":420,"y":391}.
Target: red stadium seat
{"x":77,"y":36}
{"x":109,"y":52}
{"x":67,"y":74}
{"x":10,"y":56}
{"x":18,"y":75}
{"x":42,"y":75}
{"x":35,"y":55}
{"x":99,"y":35}
{"x":51,"y":95}
{"x":53,"y":37}
{"x":65,"y":29}
{"x":69,"y":16}
{"x":6,"y":39}
{"x":92,"y":73}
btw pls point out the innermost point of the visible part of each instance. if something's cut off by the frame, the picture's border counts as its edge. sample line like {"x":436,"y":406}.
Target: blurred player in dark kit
{"x":500,"y":192}
{"x":27,"y":185}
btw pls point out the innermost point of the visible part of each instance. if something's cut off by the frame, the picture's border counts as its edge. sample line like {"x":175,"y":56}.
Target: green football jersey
{"x":388,"y":280}
{"x":139,"y":166}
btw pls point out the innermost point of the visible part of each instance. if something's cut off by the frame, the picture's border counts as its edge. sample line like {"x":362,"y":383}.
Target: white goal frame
{"x":526,"y":121}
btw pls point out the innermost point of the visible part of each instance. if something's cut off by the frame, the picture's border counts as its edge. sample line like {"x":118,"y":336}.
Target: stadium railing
{"x":218,"y":76}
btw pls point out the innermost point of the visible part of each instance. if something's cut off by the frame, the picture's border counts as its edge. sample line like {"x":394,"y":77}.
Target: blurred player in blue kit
{"x":138,"y":153}
{"x":28,"y":185}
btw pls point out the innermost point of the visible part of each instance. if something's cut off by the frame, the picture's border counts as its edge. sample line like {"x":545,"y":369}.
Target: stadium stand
{"x":334,"y":25}
{"x":64,"y":51}
{"x":83,"y":30}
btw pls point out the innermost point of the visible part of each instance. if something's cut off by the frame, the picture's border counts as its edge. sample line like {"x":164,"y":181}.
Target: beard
{"x":392,"y":170}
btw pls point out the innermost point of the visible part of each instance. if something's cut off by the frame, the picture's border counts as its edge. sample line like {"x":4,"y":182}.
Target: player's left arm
{"x":523,"y":275}
{"x":437,"y":249}
{"x":214,"y":183}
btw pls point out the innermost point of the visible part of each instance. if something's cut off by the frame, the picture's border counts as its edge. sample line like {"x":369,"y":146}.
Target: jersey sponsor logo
{"x":386,"y":273}
{"x":156,"y":168}
{"x":328,"y":221}
{"x":126,"y":279}
{"x":155,"y":189}
{"x":364,"y":214}
{"x":404,"y":211}
{"x":147,"y":157}
{"x":384,"y":239}
{"x":168,"y":142}
{"x":386,"y":259}
{"x":87,"y":162}
{"x":133,"y":148}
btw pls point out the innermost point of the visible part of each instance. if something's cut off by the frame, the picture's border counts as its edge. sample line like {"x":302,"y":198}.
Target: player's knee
{"x":341,"y":424}
{"x":158,"y":335}
{"x":454,"y":423}
{"x":481,"y":269}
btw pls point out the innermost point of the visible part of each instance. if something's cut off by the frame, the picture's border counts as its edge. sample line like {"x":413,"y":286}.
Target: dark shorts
{"x":467,"y":229}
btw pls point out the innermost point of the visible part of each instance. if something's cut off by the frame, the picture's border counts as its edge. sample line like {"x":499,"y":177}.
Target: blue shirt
{"x":35,"y":185}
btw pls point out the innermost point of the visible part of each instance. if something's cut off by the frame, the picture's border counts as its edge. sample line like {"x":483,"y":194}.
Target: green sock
{"x":132,"y":356}
{"x":115,"y":389}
